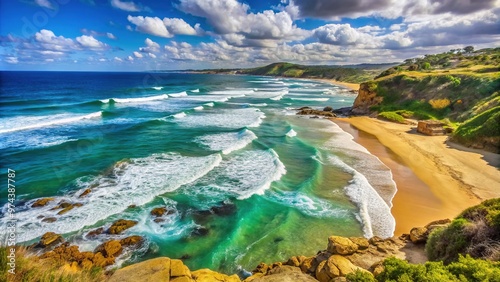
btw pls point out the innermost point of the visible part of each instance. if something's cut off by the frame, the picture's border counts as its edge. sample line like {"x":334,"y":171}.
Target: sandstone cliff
{"x":367,"y":98}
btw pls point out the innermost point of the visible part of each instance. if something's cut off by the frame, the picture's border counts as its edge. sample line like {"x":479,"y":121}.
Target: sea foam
{"x":227,"y":142}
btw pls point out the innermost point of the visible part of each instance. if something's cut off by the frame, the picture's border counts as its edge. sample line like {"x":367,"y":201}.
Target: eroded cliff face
{"x":366,"y":98}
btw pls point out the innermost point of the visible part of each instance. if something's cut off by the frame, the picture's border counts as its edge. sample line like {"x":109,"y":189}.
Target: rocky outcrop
{"x":121,"y":225}
{"x":41,"y":202}
{"x":367,"y":98}
{"x":160,"y":211}
{"x":419,"y":235}
{"x":313,"y":112}
{"x":430,"y":127}
{"x":167,"y":270}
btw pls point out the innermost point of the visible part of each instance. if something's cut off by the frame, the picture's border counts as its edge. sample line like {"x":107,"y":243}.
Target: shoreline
{"x":348,"y":85}
{"x":435,"y":180}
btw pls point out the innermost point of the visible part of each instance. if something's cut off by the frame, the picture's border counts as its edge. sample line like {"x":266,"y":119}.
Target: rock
{"x":375,"y":240}
{"x":341,"y":245}
{"x":367,"y":98}
{"x":309,"y":265}
{"x":100,"y":261}
{"x":295,"y":261}
{"x":325,"y":272}
{"x":418,"y":235}
{"x":132,"y":241}
{"x":205,"y":275}
{"x":344,"y":265}
{"x":362,"y":242}
{"x":377,"y":268}
{"x":121,"y":225}
{"x":310,"y":111}
{"x":327,"y":109}
{"x":159,"y":220}
{"x":178,"y":269}
{"x":200,"y":232}
{"x":343,"y":111}
{"x":111,"y":248}
{"x":49,"y":239}
{"x":153,"y":270}
{"x":261,"y":268}
{"x":131,"y":206}
{"x":335,"y":266}
{"x":95,"y":232}
{"x":283,"y":273}
{"x":438,"y":222}
{"x":430,"y":127}
{"x":71,"y":268}
{"x":49,"y":219}
{"x":84,"y":193}
{"x":227,"y":208}
{"x":160,"y":211}
{"x":41,"y":202}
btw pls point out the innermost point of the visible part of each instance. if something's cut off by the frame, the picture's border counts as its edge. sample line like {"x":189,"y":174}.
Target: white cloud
{"x":137,"y":54}
{"x":44,"y":3}
{"x":90,"y":42}
{"x":343,"y":34}
{"x":126,"y":6}
{"x":168,"y":27}
{"x":151,"y":55}
{"x":150,"y":25}
{"x":129,"y":58}
{"x":102,"y":60}
{"x":11,"y":60}
{"x":118,"y":59}
{"x":110,"y":35}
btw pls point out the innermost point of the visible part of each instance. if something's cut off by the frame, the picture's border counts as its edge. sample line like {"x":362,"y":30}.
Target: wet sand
{"x":435,"y":179}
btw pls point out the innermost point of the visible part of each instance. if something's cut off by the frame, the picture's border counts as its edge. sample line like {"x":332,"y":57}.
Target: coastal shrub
{"x":475,"y":232}
{"x":465,"y":269}
{"x":486,"y":124}
{"x":439,"y":103}
{"x":392,"y":116}
{"x":360,"y":276}
{"x":31,"y":269}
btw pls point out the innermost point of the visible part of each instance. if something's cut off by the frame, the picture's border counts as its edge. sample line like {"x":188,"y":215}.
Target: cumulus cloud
{"x":137,"y":54}
{"x":90,"y":42}
{"x":241,"y":27}
{"x":126,"y":6}
{"x":44,"y":3}
{"x":342,"y":34}
{"x":167,"y":27}
{"x":118,"y":59}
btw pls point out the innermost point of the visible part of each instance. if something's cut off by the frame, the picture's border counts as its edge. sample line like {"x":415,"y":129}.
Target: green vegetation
{"x":475,"y":232}
{"x":32,"y":269}
{"x":460,"y":86}
{"x":392,"y":116}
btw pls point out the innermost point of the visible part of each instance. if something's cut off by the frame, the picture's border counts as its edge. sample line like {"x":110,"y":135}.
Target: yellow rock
{"x":207,"y":275}
{"x":341,"y":245}
{"x":177,"y":269}
{"x":153,"y":270}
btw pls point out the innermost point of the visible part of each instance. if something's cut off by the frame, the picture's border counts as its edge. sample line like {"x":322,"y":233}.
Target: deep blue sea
{"x":190,"y":142}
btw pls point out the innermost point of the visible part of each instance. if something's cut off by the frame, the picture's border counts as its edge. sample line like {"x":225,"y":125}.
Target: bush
{"x":466,"y":269}
{"x":475,"y":232}
{"x":439,"y":103}
{"x":392,"y":116}
{"x":360,"y":276}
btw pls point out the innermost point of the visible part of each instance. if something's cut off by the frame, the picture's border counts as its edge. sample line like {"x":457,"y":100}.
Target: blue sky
{"x":135,"y":35}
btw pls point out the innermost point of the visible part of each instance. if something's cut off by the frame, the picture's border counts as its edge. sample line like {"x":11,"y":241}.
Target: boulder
{"x":41,"y":202}
{"x":200,"y":232}
{"x":438,"y":222}
{"x":327,"y":109}
{"x":132,"y":241}
{"x":178,"y":269}
{"x":225,"y":209}
{"x":153,"y":270}
{"x":418,"y":235}
{"x":95,"y":232}
{"x":261,"y":268}
{"x":309,"y":111}
{"x":121,"y":225}
{"x":49,"y":219}
{"x":205,"y":275}
{"x":85,"y":193}
{"x":49,"y":239}
{"x":111,"y":248}
{"x":361,"y":242}
{"x":160,"y":211}
{"x":284,"y":273}
{"x":341,"y":245}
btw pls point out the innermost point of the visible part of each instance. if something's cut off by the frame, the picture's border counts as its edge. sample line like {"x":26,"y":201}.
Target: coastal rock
{"x":95,"y":232}
{"x":206,"y":275}
{"x":226,"y":208}
{"x":49,"y":219}
{"x":121,"y":225}
{"x":111,"y":248}
{"x":153,"y":270}
{"x":178,"y":269}
{"x":132,"y":241}
{"x":430,"y":127}
{"x":418,"y":235}
{"x":327,"y":109}
{"x":343,"y":111}
{"x":68,"y":207}
{"x":49,"y":239}
{"x":309,"y":111}
{"x":367,"y":98}
{"x":361,"y":242}
{"x":284,"y":273}
{"x":41,"y":202}
{"x":438,"y":222}
{"x":85,"y":193}
{"x":341,"y":245}
{"x":160,"y":211}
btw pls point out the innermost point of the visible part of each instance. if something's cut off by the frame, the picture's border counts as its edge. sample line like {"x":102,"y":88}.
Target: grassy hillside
{"x":353,"y":74}
{"x":459,"y":87}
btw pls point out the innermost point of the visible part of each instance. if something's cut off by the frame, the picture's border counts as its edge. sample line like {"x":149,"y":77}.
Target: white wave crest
{"x":227,"y":142}
{"x":178,"y":95}
{"x":136,"y":100}
{"x":34,"y":122}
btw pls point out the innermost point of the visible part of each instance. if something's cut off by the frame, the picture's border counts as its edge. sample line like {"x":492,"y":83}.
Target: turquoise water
{"x":190,"y":142}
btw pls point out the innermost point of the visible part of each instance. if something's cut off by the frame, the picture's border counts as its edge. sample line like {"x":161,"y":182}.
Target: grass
{"x":392,"y":116}
{"x":32,"y":269}
{"x":486,"y":124}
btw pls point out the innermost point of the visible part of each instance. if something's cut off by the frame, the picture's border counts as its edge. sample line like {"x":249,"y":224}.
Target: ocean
{"x":190,"y":142}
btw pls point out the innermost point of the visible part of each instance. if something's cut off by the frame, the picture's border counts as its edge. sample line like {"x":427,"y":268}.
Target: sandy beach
{"x":436,"y":179}
{"x":350,"y":86}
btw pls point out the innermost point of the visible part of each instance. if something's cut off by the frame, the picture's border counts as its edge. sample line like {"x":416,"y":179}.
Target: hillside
{"x":351,"y":73}
{"x":459,"y":87}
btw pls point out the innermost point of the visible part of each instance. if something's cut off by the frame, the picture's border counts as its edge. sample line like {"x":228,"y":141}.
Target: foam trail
{"x":195,"y":91}
{"x":178,"y":95}
{"x":375,"y":214}
{"x":199,"y":108}
{"x":211,"y":104}
{"x":239,"y":92}
{"x":157,"y":87}
{"x":234,"y":118}
{"x":27,"y":123}
{"x":180,"y":115}
{"x":291,"y":133}
{"x":136,"y":100}
{"x":311,"y":99}
{"x":227,"y":142}
{"x":127,"y":184}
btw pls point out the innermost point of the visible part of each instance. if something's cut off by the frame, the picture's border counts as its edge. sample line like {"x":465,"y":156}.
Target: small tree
{"x":469,"y":49}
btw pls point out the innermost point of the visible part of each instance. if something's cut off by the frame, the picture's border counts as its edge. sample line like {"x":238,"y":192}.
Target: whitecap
{"x":227,"y":142}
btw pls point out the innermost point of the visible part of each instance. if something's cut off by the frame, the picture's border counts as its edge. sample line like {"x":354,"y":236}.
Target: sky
{"x":142,"y":35}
